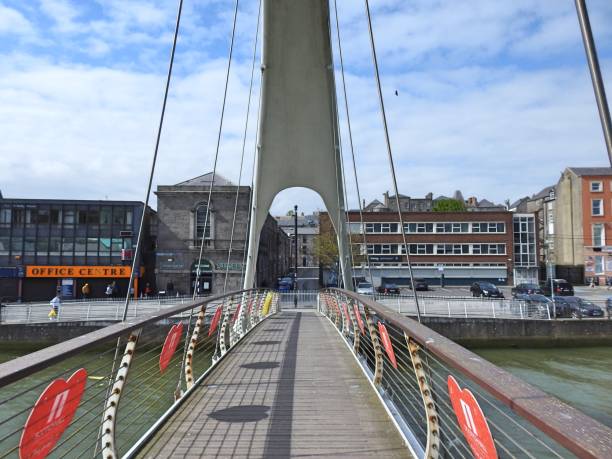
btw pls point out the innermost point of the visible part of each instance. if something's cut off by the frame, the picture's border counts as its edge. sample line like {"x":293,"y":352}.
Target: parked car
{"x":580,"y":307}
{"x":563,"y":307}
{"x":485,"y":289}
{"x":538,"y":305}
{"x":365,"y":288}
{"x":284,"y":286}
{"x":561,"y":287}
{"x":526,"y":289}
{"x":388,"y":288}
{"x":421,"y":285}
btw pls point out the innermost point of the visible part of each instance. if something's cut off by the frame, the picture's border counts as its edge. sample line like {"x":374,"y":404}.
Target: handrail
{"x":20,"y":367}
{"x":579,"y":433}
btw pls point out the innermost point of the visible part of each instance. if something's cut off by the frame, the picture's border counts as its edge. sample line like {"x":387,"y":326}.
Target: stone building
{"x":181,"y":219}
{"x":308,"y":230}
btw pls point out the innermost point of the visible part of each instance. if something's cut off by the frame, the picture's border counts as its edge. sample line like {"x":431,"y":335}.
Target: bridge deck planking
{"x":290,"y":389}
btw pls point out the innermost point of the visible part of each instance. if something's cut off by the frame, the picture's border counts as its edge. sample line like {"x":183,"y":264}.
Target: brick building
{"x":583,"y":224}
{"x":463,"y":246}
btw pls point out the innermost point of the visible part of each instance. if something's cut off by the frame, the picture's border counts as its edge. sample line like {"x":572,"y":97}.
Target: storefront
{"x":206,"y":276}
{"x":42,"y":282}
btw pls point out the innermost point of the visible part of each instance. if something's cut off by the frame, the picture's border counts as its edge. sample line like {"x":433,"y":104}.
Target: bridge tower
{"x":298,"y":133}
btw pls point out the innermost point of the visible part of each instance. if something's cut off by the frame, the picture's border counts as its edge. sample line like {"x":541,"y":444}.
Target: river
{"x":580,"y":376}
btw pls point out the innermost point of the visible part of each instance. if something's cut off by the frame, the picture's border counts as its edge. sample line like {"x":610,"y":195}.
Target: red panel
{"x":472,"y":421}
{"x":173,"y":338}
{"x":359,"y":319}
{"x":384,"y":335}
{"x":215,"y":320}
{"x":51,"y":415}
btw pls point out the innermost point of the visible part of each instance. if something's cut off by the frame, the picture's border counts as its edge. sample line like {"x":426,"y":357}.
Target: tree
{"x":326,"y":249}
{"x":448,"y":205}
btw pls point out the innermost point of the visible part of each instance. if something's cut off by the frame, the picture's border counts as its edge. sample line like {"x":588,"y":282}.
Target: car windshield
{"x":531,"y":286}
{"x":488,"y":285}
{"x":571,"y":299}
{"x":364,"y":285}
{"x":587,"y":304}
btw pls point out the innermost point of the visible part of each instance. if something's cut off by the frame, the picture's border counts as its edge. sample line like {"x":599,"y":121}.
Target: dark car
{"x":485,"y":289}
{"x":388,"y":288}
{"x":582,"y":308}
{"x":537,"y":305}
{"x":526,"y":289}
{"x":421,"y":284}
{"x":563,"y":307}
{"x":560,"y":286}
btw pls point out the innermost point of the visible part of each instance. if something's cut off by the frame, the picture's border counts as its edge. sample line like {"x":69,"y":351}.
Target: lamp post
{"x":295,"y":240}
{"x":549,"y":270}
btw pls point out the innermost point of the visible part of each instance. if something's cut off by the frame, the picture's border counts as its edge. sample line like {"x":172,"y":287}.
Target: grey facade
{"x":181,"y":218}
{"x":308,"y":230}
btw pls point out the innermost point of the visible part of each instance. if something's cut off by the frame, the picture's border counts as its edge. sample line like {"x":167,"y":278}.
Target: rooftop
{"x":205,"y":180}
{"x":580,"y":171}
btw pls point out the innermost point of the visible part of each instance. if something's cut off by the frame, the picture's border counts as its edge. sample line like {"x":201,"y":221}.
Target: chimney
{"x":429,"y":196}
{"x":386,"y":195}
{"x":364,"y":204}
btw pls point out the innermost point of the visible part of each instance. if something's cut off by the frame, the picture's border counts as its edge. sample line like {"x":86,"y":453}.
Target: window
{"x":599,"y":238}
{"x":599,"y":264}
{"x":106,"y":215}
{"x":597,"y":207}
{"x":55,"y":245}
{"x":596,"y":187}
{"x":201,"y":221}
{"x":418,"y":227}
{"x":4,"y":245}
{"x":56,"y":217}
{"x":355,"y":228}
{"x":5,"y":216}
{"x":69,"y":217}
{"x":18,"y":216}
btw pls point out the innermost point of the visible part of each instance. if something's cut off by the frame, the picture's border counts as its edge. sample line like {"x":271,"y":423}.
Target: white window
{"x":355,"y":228}
{"x":596,"y":187}
{"x":599,"y":264}
{"x":597,"y":207}
{"x":599,"y":236}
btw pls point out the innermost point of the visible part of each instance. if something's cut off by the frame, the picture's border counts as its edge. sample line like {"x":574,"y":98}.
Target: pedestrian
{"x":608,"y":282}
{"x":109,"y":291}
{"x":55,"y":303}
{"x":169,"y":287}
{"x":592,"y":283}
{"x":147,"y":290}
{"x":86,"y":290}
{"x":115,"y":290}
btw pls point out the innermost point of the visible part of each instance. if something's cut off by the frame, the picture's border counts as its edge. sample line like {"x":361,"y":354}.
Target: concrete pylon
{"x":298,"y":132}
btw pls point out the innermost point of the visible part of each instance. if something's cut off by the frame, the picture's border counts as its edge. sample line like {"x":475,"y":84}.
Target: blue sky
{"x":494,"y":98}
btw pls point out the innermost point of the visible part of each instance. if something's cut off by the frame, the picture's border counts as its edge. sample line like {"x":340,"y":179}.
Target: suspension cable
{"x":244,"y":255}
{"x":390,"y":155}
{"x":350,"y":133}
{"x":214,"y":172}
{"x":244,"y":137}
{"x":153,"y":162}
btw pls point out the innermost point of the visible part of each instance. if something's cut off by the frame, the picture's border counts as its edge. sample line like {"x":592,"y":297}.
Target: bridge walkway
{"x":289,"y":389}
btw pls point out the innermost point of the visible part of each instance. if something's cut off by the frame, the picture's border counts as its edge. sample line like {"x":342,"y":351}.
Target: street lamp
{"x":549,"y":269}
{"x":295,"y":236}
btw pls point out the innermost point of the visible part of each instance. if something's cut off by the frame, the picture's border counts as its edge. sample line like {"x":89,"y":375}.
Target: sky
{"x":493,"y":98}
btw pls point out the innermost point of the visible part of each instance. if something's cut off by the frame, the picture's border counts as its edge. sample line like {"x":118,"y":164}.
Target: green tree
{"x":326,"y":249}
{"x":448,"y":205}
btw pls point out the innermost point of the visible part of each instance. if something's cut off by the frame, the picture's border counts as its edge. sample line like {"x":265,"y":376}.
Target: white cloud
{"x":12,"y":22}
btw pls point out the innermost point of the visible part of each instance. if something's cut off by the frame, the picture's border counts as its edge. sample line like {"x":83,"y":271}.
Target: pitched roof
{"x":487,"y":203}
{"x":580,"y":171}
{"x":205,"y":180}
{"x":544,"y":192}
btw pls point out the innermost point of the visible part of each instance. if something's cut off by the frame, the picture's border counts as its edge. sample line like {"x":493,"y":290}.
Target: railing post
{"x":493,"y":308}
{"x":399,"y":305}
{"x":521,"y":309}
{"x":109,"y":450}
{"x":378,"y":357}
{"x":88,"y":309}
{"x":449,"y":310}
{"x":432,"y":449}
{"x":465,"y":308}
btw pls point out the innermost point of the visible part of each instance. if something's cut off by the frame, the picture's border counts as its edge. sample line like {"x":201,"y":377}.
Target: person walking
{"x":147,"y":290}
{"x":86,"y":290}
{"x":109,"y":291}
{"x":55,"y":303}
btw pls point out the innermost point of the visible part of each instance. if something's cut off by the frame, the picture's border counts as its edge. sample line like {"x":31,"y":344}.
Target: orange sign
{"x":78,"y":271}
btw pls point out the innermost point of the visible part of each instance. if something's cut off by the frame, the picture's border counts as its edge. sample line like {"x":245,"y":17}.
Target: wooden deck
{"x":289,"y":389}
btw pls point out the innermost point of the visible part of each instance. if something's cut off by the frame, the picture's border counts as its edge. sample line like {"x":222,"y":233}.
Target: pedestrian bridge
{"x":246,"y":375}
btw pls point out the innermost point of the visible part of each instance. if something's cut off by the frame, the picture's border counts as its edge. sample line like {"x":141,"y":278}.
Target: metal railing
{"x":100,"y":309}
{"x":298,"y":298}
{"x":447,"y":401}
{"x":100,"y":394}
{"x":437,"y":306}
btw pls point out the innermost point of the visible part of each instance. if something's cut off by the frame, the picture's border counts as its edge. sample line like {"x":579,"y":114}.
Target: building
{"x":462,"y":246}
{"x":308,"y":230}
{"x":583,"y":218}
{"x":181,"y":220}
{"x":542,"y":204}
{"x":526,"y":265}
{"x":51,"y":244}
{"x":427,"y":204}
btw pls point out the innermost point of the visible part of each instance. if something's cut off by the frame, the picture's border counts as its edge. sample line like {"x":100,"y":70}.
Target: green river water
{"x":580,"y":376}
